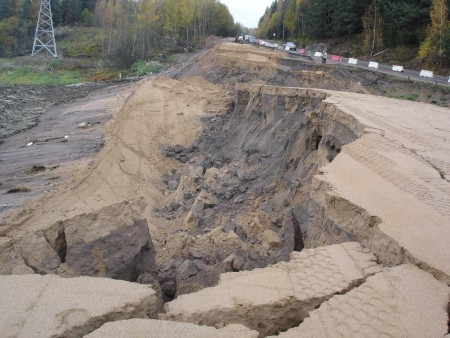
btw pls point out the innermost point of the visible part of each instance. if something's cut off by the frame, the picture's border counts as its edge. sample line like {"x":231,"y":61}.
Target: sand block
{"x":272,"y":299}
{"x":51,"y":306}
{"x":112,"y":242}
{"x":151,"y":328}
{"x":389,"y":189}
{"x":10,"y":262}
{"x":399,"y":302}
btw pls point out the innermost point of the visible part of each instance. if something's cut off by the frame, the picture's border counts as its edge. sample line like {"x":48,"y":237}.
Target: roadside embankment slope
{"x":399,"y":172}
{"x":228,"y":178}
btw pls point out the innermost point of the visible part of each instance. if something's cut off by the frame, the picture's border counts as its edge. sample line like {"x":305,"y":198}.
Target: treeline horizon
{"x":130,"y":28}
{"x":384,"y":24}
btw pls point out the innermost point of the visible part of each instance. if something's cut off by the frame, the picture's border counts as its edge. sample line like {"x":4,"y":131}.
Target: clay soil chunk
{"x":150,"y":328}
{"x":273,"y":299}
{"x":51,"y":306}
{"x":399,"y":302}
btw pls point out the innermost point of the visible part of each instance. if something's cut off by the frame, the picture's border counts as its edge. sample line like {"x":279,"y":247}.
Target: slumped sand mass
{"x":245,"y":192}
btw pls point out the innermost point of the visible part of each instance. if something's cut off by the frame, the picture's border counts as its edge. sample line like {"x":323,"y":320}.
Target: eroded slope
{"x":237,"y":180}
{"x":390,"y":188}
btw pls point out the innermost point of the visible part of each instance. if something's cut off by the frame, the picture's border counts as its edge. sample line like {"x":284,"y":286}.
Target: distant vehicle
{"x":249,"y":39}
{"x":241,"y":38}
{"x":290,"y":46}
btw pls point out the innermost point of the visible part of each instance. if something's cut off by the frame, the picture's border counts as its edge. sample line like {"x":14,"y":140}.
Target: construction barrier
{"x":301,"y":51}
{"x":318,"y":54}
{"x":353,"y":61}
{"x":397,"y":68}
{"x":336,"y":58}
{"x":373,"y":64}
{"x":426,"y":73}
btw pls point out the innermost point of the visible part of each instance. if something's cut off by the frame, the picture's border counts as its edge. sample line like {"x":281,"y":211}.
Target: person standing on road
{"x":324,"y":57}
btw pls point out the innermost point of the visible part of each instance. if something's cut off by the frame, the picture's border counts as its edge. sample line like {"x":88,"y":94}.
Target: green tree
{"x":303,"y":15}
{"x":9,"y":36}
{"x":433,"y":49}
{"x":274,"y":25}
{"x":321,"y":19}
{"x":345,"y":18}
{"x":224,"y":21}
{"x":89,"y":4}
{"x":373,"y":28}
{"x":59,"y":9}
{"x":171,"y":22}
{"x":86,"y":17}
{"x":73,"y":13}
{"x":404,"y":20}
{"x":290,"y":19}
{"x":185,"y":15}
{"x":7,"y":8}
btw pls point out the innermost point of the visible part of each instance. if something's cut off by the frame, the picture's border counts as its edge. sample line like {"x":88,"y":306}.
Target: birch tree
{"x":373,"y":28}
{"x":434,"y":50}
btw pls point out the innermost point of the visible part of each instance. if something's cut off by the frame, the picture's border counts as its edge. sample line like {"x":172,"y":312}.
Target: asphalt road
{"x":383,"y":68}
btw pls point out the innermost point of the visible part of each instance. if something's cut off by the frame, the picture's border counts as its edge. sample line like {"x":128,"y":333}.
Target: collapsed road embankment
{"x":198,"y":179}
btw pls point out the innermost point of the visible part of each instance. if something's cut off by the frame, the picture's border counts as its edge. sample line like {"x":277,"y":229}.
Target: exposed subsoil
{"x":222,"y":164}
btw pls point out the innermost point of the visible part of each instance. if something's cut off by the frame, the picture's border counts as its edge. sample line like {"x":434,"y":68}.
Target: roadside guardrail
{"x":426,"y":73}
{"x":336,"y":58}
{"x":423,"y":75}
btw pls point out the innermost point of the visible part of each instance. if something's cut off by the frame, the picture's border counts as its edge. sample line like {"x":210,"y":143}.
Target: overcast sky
{"x":247,"y":12}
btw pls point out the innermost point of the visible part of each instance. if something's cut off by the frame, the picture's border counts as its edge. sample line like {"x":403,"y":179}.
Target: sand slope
{"x":160,"y":111}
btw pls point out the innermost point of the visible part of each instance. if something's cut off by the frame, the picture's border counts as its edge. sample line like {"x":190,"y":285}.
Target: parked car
{"x":290,"y":46}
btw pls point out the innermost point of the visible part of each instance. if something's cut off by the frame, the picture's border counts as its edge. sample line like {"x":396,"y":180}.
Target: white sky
{"x":247,"y":12}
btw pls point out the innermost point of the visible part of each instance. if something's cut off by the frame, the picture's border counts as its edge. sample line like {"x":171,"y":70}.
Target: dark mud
{"x":63,"y":124}
{"x":21,"y":106}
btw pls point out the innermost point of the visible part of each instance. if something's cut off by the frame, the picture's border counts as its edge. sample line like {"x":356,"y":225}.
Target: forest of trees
{"x":130,"y":27}
{"x":384,"y":23}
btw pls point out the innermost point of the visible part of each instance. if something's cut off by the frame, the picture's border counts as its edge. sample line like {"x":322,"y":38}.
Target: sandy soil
{"x":159,"y":111}
{"x":147,"y":117}
{"x":234,"y":167}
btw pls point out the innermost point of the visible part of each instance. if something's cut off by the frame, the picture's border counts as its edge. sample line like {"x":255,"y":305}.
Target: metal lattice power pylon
{"x":44,"y":37}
